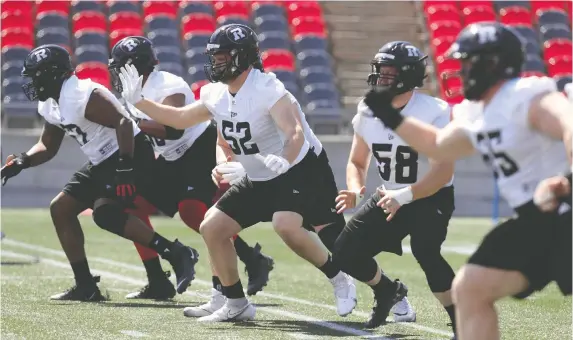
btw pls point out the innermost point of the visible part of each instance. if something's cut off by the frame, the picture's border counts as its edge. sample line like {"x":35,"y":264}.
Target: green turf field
{"x":297,"y":303}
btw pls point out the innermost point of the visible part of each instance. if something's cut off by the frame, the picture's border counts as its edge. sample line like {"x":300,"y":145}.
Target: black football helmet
{"x":48,"y":66}
{"x":489,"y":52}
{"x":409,"y":62}
{"x":131,"y":50}
{"x":241,"y":43}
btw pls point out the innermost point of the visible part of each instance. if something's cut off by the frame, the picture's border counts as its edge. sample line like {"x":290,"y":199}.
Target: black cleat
{"x":88,"y":292}
{"x":157,"y":289}
{"x":382,"y":306}
{"x":183,"y":260}
{"x":258,"y":271}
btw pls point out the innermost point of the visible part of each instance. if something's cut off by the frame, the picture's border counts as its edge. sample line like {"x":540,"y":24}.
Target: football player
{"x":259,"y":125}
{"x":117,"y":170}
{"x":182,"y":180}
{"x":523,"y":128}
{"x":416,"y":197}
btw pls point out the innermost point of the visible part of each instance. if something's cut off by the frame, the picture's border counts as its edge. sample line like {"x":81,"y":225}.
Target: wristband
{"x":25,"y":160}
{"x":125,"y":163}
{"x":404,"y":195}
{"x":359,"y":197}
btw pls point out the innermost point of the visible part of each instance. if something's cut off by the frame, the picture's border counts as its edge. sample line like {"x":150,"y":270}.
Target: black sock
{"x":234,"y":292}
{"x":329,"y":268}
{"x":217,"y":284}
{"x":153,"y":269}
{"x":330,"y":233}
{"x":244,"y":251}
{"x":385,"y":287}
{"x":452,"y":313}
{"x":161,"y":245}
{"x":82,"y":273}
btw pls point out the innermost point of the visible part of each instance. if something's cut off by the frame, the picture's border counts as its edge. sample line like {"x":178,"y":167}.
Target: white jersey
{"x":160,"y":85}
{"x":398,"y":164}
{"x":96,"y":141}
{"x":520,"y":156}
{"x":244,"y":120}
{"x":309,"y":135}
{"x":569,"y":91}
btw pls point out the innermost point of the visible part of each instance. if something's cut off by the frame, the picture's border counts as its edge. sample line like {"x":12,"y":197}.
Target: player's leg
{"x":364,"y":236}
{"x":64,"y":210}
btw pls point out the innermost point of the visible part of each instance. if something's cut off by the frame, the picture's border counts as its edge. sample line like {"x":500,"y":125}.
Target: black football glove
{"x":379,"y":101}
{"x":14,"y":167}
{"x":125,"y":188}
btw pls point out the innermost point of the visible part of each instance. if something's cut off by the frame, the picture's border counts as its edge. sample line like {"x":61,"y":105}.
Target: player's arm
{"x":284,"y":113}
{"x":440,"y":174}
{"x":224,"y":153}
{"x":176,"y":117}
{"x":158,"y":130}
{"x":550,"y":114}
{"x":356,"y":171}
{"x":101,"y":110}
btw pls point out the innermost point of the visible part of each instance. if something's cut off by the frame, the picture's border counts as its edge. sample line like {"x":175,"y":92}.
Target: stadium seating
{"x":95,"y":71}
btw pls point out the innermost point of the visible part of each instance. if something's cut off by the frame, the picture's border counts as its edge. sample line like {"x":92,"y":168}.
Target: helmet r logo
{"x":130,"y":44}
{"x":487,"y":34}
{"x":412,"y":51}
{"x":238,"y":33}
{"x":41,"y":55}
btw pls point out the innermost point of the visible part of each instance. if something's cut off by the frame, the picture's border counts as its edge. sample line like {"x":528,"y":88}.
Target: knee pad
{"x":110,"y":217}
{"x":439,"y":273}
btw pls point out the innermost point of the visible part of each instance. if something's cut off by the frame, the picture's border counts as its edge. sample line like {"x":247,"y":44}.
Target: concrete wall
{"x":36,"y":187}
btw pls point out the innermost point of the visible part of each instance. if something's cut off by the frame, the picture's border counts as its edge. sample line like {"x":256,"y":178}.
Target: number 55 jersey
{"x":398,"y":164}
{"x":519,"y":156}
{"x":96,"y":141}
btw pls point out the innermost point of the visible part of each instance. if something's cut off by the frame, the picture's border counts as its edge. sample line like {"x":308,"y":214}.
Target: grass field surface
{"x":298,"y":303}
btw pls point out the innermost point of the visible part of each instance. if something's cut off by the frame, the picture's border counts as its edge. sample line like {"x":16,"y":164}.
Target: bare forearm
{"x":39,"y":154}
{"x":421,"y":137}
{"x":293,"y":144}
{"x":159,"y":130}
{"x":177,"y":117}
{"x":124,"y":133}
{"x":355,"y":177}
{"x":224,"y":153}
{"x":438,"y":176}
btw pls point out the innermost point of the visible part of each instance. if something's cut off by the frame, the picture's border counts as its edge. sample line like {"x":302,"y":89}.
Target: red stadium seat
{"x":278,"y":59}
{"x":117,"y":35}
{"x":472,"y":3}
{"x":445,"y":28}
{"x":442,"y":13}
{"x":536,"y":5}
{"x":89,"y":19}
{"x":58,"y":6}
{"x":160,"y":7}
{"x":17,"y":18}
{"x":122,"y":20}
{"x":306,"y":25}
{"x":515,"y":15}
{"x":303,"y":9}
{"x":442,"y":44}
{"x":559,"y":65}
{"x":532,"y":74}
{"x":196,"y":87}
{"x":95,"y":71}
{"x":447,"y":64}
{"x":232,"y":8}
{"x":474,"y":14}
{"x":556,"y":48}
{"x":9,"y":5}
{"x":428,"y":4}
{"x":199,"y":22}
{"x":17,"y":37}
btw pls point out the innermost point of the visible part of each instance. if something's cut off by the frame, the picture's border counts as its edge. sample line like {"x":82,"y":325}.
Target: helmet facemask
{"x":226,"y":65}
{"x":44,"y":84}
{"x":397,"y":78}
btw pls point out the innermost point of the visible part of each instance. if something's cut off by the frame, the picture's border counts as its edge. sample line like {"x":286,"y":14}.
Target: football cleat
{"x":229,"y":312}
{"x":258,"y":271}
{"x":403,"y":311}
{"x":88,"y":292}
{"x":344,"y":293}
{"x":183,"y":260}
{"x":382,"y":305}
{"x":157,"y":289}
{"x":217,"y":302}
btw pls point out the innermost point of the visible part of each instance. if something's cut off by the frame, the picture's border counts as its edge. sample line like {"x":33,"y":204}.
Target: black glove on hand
{"x":379,"y":101}
{"x":125,"y":188}
{"x":14,"y":167}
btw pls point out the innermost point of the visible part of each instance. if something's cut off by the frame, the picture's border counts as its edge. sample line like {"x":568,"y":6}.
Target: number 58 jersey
{"x":96,"y":141}
{"x":519,"y":156}
{"x":398,"y":164}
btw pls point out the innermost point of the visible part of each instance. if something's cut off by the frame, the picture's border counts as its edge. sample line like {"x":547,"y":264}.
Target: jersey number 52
{"x":239,"y":145}
{"x":406,"y":159}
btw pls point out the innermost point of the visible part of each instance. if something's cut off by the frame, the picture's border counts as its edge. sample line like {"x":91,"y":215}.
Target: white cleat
{"x":217,"y":302}
{"x":403,"y":311}
{"x":229,"y":312}
{"x":345,"y":293}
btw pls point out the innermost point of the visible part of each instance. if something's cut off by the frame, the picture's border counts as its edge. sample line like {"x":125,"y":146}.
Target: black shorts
{"x":188,"y":177}
{"x":426,"y":219}
{"x":536,"y":244}
{"x":324,"y":210}
{"x":250,"y":202}
{"x":92,"y":182}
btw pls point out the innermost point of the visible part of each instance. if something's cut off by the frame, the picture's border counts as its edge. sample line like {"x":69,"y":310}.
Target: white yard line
{"x":274,"y":311}
{"x":60,"y":253}
{"x":134,"y":334}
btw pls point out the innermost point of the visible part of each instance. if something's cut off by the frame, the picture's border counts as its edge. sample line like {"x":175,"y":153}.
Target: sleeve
{"x":462,"y":114}
{"x":525,"y":89}
{"x":362,"y":111}
{"x":175,"y":85}
{"x":272,"y":89}
{"x":442,"y":118}
{"x":205,"y":95}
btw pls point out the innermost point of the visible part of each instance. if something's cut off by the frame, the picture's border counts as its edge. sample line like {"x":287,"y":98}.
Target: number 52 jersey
{"x":96,"y":141}
{"x":398,"y":164}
